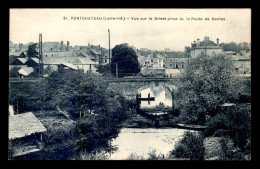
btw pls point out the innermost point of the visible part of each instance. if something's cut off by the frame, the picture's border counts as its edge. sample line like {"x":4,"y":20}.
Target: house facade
{"x":206,"y":47}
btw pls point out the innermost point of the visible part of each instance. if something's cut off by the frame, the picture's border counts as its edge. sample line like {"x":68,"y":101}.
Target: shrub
{"x":134,"y":156}
{"x":154,"y":156}
{"x":235,"y":123}
{"x":190,"y":146}
{"x":229,"y":152}
{"x":94,"y":155}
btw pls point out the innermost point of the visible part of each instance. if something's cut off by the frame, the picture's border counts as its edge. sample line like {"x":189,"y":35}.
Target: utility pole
{"x":109,"y":50}
{"x":40,"y":66}
{"x":116,"y":71}
{"x":17,"y":108}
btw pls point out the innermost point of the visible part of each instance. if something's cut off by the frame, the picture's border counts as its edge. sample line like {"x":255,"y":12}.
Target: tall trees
{"x":206,"y":83}
{"x":32,"y":52}
{"x":126,"y":59}
{"x":232,"y":46}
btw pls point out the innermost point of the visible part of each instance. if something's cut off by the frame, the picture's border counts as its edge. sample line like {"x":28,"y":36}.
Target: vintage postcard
{"x":129,"y":84}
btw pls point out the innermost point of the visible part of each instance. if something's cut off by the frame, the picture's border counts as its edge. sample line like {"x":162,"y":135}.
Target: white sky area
{"x":26,"y":24}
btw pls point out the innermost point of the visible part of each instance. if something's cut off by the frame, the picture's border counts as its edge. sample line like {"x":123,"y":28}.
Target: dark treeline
{"x":236,"y":47}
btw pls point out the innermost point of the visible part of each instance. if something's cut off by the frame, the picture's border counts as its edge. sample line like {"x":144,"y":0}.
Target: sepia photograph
{"x":129,"y":84}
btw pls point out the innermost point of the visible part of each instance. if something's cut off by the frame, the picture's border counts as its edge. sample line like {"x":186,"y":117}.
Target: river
{"x":142,"y":141}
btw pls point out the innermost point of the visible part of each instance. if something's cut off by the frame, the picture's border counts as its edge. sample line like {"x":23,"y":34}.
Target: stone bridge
{"x":130,"y":87}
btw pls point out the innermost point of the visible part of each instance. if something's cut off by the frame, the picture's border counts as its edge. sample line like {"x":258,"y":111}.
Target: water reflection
{"x":161,"y":93}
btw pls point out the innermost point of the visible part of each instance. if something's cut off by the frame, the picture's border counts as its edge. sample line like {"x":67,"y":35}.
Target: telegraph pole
{"x":116,"y":71}
{"x":109,"y":50}
{"x":40,"y":65}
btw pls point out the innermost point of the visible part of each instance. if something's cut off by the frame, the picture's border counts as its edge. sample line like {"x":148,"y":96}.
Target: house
{"x":206,"y":46}
{"x":25,"y":71}
{"x":25,"y":134}
{"x":243,"y":62}
{"x":176,"y":60}
{"x":104,"y":58}
{"x":19,"y":62}
{"x":52,"y":63}
{"x":85,"y":64}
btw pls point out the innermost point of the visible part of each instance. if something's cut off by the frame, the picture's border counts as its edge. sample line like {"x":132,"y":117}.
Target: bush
{"x":235,"y":123}
{"x":153,"y":156}
{"x":94,"y":155}
{"x":190,"y":146}
{"x":229,"y":152}
{"x":134,"y":156}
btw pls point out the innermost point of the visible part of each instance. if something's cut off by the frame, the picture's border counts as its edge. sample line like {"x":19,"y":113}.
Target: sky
{"x":26,"y":24}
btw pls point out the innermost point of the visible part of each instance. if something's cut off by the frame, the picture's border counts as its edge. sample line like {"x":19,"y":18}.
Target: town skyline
{"x":155,"y":35}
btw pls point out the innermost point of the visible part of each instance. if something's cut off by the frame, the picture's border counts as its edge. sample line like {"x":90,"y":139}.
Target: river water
{"x":161,"y":94}
{"x":142,"y":141}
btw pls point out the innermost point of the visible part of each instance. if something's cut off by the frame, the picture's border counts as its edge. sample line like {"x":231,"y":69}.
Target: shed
{"x":25,"y":71}
{"x":25,"y":124}
{"x":25,"y":134}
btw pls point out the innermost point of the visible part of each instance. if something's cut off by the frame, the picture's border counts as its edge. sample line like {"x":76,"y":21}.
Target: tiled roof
{"x":98,"y":52}
{"x":70,"y":65}
{"x":25,"y":124}
{"x":82,"y":61}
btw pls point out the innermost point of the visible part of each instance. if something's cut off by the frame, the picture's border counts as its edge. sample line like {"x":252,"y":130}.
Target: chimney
{"x":68,"y":45}
{"x":88,"y":44}
{"x":218,"y":42}
{"x":198,"y":42}
{"x":61,"y":45}
{"x":195,"y":43}
{"x":98,"y":46}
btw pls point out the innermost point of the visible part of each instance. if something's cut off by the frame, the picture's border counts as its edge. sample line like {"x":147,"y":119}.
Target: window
{"x":151,"y":60}
{"x":46,"y":55}
{"x":52,"y":55}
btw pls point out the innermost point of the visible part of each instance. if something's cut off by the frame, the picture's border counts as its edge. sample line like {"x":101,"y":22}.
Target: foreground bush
{"x":94,"y":155}
{"x":134,"y":156}
{"x":235,"y":123}
{"x":152,"y":155}
{"x":190,"y":147}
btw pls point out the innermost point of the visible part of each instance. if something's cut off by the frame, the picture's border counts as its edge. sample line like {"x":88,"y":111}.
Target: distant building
{"x":206,"y":46}
{"x":243,"y":62}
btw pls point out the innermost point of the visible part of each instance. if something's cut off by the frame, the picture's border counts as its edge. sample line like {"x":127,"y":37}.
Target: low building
{"x":25,"y":71}
{"x":25,"y":134}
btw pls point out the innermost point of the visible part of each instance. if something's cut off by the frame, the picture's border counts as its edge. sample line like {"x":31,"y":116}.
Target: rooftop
{"x":25,"y":124}
{"x":26,"y":71}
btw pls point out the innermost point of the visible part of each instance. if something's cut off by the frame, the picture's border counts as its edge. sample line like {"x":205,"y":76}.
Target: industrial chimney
{"x":68,"y":45}
{"x":198,"y":42}
{"x":218,"y":42}
{"x":62,"y":47}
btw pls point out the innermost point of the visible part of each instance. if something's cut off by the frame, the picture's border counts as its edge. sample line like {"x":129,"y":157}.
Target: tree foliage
{"x":32,"y":52}
{"x":126,"y":59}
{"x":102,"y":111}
{"x":190,"y":146}
{"x":206,"y":83}
{"x":14,"y":72}
{"x":235,"y":123}
{"x":232,"y":46}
